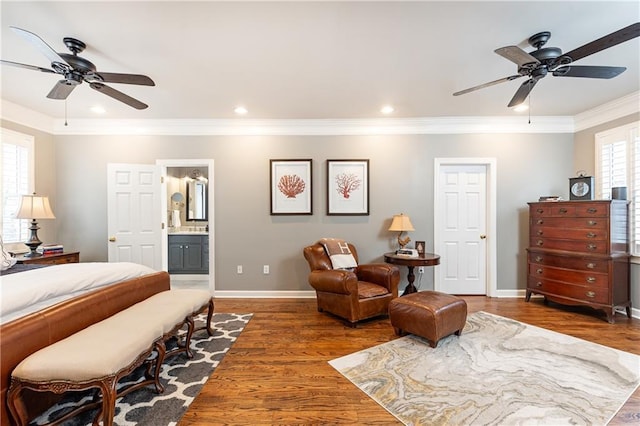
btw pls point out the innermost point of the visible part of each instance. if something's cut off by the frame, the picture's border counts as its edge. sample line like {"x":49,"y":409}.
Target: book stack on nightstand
{"x":51,"y":249}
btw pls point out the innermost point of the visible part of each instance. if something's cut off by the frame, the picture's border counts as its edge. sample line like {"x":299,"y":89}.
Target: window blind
{"x":17,"y":179}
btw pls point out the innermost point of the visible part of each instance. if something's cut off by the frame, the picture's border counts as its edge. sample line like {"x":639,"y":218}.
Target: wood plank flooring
{"x":277,"y":372}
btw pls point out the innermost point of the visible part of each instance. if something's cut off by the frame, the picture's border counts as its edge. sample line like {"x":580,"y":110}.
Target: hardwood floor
{"x":277,"y":372}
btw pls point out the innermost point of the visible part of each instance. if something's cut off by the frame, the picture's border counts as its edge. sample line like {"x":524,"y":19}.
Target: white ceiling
{"x":314,"y":60}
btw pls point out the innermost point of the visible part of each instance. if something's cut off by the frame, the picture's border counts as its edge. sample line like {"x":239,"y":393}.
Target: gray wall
{"x":401,"y":180}
{"x":584,"y":159}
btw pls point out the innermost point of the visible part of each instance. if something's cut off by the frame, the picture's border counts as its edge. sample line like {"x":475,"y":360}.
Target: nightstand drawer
{"x":51,"y":259}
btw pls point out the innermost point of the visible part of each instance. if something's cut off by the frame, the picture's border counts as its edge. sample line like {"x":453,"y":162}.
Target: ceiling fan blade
{"x":115,"y":94}
{"x":112,"y":77}
{"x":29,"y":67}
{"x":523,"y":91}
{"x":516,"y":55}
{"x":491,"y":83}
{"x":588,"y":71}
{"x":61,"y":90}
{"x":40,"y":44}
{"x":617,"y":37}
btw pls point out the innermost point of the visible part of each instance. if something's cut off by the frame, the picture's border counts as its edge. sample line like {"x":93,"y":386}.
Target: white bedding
{"x":29,"y":291}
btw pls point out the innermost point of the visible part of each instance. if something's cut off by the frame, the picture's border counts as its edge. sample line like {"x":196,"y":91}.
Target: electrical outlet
{"x":265,"y":269}
{"x":239,"y":269}
{"x":421,"y":269}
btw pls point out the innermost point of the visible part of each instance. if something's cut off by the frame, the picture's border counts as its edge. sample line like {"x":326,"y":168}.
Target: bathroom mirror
{"x":197,"y":200}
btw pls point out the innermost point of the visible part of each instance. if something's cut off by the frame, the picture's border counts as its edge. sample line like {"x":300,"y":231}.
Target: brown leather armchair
{"x":354,"y":295}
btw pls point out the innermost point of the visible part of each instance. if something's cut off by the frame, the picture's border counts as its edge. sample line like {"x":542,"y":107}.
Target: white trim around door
{"x":491,"y":227}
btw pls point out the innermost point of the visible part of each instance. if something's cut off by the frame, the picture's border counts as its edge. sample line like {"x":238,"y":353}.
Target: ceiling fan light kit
{"x":77,"y":70}
{"x":542,"y":61}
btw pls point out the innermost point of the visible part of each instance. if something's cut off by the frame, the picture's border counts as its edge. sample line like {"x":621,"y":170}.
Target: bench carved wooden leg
{"x":207,"y":326}
{"x":161,"y":350}
{"x":17,"y":410}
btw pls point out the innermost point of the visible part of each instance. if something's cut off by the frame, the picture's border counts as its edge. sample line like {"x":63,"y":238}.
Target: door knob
{"x":483,"y":236}
{"x":112,"y":239}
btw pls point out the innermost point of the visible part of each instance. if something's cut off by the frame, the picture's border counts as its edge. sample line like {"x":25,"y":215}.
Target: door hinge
{"x":162,"y":225}
{"x":161,"y":179}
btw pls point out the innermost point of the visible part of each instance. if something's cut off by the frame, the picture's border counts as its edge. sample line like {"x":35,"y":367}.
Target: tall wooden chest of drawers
{"x":579,"y":254}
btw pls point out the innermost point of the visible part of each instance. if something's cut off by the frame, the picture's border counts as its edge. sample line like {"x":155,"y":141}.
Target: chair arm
{"x":334,"y":281}
{"x":382,"y":274}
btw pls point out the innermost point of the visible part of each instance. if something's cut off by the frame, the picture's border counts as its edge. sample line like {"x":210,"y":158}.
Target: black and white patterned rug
{"x":183,"y":379}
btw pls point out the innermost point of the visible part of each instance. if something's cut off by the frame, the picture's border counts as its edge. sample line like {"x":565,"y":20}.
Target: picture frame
{"x":291,"y":187}
{"x":348,"y":187}
{"x":420,"y":247}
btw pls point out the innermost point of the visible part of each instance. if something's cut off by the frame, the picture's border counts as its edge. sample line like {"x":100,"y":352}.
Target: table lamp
{"x":34,"y":207}
{"x":401,"y":223}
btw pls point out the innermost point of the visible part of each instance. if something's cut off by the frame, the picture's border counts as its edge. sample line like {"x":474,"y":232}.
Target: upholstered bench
{"x":428,"y":314}
{"x":101,"y":354}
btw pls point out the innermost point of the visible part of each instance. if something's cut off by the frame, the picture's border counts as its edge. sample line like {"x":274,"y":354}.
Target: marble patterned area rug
{"x":183,"y":380}
{"x":498,"y":372}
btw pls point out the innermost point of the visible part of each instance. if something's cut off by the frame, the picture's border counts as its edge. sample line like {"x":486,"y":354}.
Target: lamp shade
{"x":34,"y":207}
{"x":401,"y":223}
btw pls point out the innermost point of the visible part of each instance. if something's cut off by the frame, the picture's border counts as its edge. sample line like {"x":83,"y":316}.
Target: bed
{"x":44,"y":305}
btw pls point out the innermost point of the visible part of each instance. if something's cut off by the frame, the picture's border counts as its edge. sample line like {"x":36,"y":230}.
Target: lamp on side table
{"x":34,"y":207}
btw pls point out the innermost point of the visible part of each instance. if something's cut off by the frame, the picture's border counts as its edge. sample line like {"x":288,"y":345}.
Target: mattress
{"x":29,"y":291}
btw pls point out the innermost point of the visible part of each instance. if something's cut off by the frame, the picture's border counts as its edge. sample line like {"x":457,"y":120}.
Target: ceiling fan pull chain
{"x":529,"y":108}
{"x":65,"y":112}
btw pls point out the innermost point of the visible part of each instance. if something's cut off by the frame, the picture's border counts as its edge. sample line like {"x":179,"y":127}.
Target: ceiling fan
{"x":76,"y":69}
{"x":543,"y":60}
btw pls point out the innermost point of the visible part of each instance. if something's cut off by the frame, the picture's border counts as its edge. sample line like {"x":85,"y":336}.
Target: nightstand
{"x":51,"y":259}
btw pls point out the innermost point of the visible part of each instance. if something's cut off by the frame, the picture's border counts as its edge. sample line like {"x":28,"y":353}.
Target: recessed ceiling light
{"x":387,"y":109}
{"x":240,"y":110}
{"x":97,"y":109}
{"x":521,"y":107}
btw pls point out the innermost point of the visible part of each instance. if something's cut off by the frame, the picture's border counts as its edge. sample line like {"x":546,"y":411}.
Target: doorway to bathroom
{"x":187,"y":194}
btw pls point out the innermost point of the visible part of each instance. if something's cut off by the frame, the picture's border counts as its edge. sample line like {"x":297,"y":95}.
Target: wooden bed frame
{"x":26,"y":335}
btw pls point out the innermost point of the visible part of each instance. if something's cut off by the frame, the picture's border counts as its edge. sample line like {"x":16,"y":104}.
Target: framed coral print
{"x":347,"y":187}
{"x":291,"y":187}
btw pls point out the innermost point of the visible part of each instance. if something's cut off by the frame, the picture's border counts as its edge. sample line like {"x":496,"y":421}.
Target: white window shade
{"x":16,"y":157}
{"x":618,"y":165}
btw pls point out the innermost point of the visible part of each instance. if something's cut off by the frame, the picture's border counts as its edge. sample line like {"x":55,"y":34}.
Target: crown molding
{"x":351,"y":127}
{"x":618,"y":108}
{"x":26,"y":117}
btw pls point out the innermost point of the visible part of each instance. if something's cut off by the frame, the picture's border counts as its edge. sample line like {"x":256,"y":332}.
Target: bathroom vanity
{"x":188,"y":253}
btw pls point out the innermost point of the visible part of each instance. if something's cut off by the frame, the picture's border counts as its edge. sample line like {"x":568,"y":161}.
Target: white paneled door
{"x":134,"y":214}
{"x":461,"y":228}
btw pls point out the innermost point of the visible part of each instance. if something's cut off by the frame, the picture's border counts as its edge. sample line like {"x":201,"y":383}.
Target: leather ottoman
{"x":428,"y":314}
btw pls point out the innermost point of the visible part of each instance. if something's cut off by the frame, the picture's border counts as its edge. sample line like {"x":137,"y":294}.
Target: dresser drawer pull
{"x":592,"y":223}
{"x":540,"y":222}
{"x":563,"y":210}
{"x":591,"y":235}
{"x":592,"y":246}
{"x":540,"y":210}
{"x":592,"y":210}
{"x":540,"y":243}
{"x":538,"y":258}
{"x":540,"y":232}
{"x":591,"y":280}
{"x":539,"y":271}
{"x":538,"y":284}
{"x":591,"y":265}
{"x":591,"y":294}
